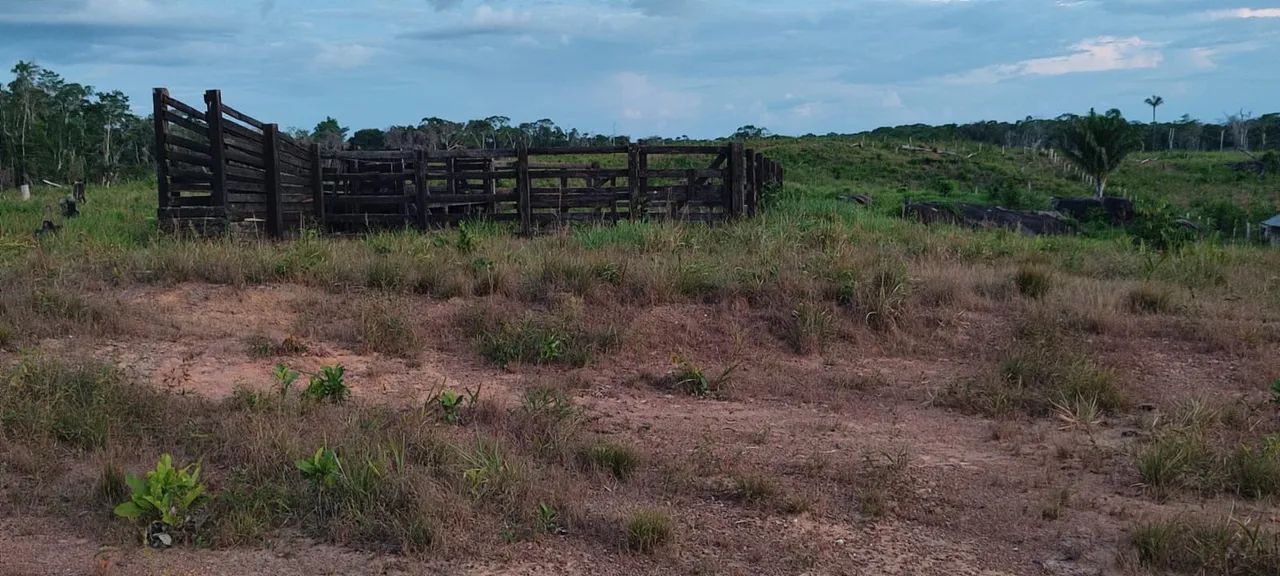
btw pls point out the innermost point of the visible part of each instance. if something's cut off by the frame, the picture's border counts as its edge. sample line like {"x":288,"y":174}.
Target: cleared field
{"x":825,"y":388}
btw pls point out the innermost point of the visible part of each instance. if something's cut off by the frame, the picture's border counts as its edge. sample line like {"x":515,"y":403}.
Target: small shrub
{"x":321,"y":469}
{"x":619,"y":461}
{"x":1032,"y":282}
{"x":548,"y":521}
{"x":329,"y":385}
{"x":689,"y":378}
{"x":452,"y":403}
{"x":167,"y":495}
{"x":648,"y":529}
{"x":1148,"y":299}
{"x":1275,"y":391}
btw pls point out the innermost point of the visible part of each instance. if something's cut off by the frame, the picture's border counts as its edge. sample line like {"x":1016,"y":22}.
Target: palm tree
{"x":1097,"y":144}
{"x":1154,"y":102}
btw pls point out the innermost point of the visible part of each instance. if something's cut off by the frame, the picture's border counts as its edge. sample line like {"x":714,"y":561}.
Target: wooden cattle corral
{"x":220,"y":169}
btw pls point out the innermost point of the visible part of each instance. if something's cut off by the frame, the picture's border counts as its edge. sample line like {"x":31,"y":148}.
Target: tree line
{"x":52,"y":129}
{"x":60,"y":131}
{"x":1238,"y":131}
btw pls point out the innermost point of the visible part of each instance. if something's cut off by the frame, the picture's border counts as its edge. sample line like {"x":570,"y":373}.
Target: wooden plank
{"x":180,"y":120}
{"x":233,"y":155}
{"x":682,"y":173}
{"x":217,"y":147}
{"x":575,"y":150}
{"x":468,"y":175}
{"x":159,"y":102}
{"x":242,"y":132}
{"x":633,"y":178}
{"x":420,"y":187}
{"x":684,"y":149}
{"x":245,"y":174}
{"x":187,"y":110}
{"x":271,"y":154}
{"x":191,"y":145}
{"x":580,"y":174}
{"x":469,"y":198}
{"x":317,"y":184}
{"x":522,"y":189}
{"x":241,"y":116}
{"x":737,"y":173}
{"x":247,"y":187}
{"x":175,"y":155}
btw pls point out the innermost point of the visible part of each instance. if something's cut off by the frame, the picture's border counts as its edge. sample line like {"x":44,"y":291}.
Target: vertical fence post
{"x":217,"y":147}
{"x":420,"y":186}
{"x":271,"y":158}
{"x":158,"y":97}
{"x":522,"y":187}
{"x":737,"y":179}
{"x":633,"y":179}
{"x":317,"y":185}
{"x":642,"y":154}
{"x":757,"y":182}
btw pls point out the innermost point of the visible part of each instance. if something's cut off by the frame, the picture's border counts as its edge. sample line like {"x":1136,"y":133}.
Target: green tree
{"x":1154,"y":102}
{"x":1097,"y":144}
{"x":368,"y":139}
{"x":329,"y":133}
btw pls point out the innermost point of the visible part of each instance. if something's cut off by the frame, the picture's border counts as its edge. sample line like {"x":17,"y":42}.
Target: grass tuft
{"x":648,"y":529}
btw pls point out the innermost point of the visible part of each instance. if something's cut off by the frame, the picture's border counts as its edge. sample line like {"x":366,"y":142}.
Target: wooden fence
{"x":220,"y":168}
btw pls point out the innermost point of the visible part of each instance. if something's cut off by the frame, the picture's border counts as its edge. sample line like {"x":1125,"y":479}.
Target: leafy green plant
{"x":690,"y":378}
{"x":285,"y":377}
{"x":322,"y":468}
{"x":548,"y":519}
{"x":166,"y":494}
{"x":451,"y":403}
{"x":328,"y":385}
{"x":1275,"y":391}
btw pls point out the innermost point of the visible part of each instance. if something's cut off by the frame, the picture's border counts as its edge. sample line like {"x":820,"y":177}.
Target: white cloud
{"x":1245,"y":13}
{"x":636,"y":97}
{"x":1100,"y":54}
{"x":343,"y":56}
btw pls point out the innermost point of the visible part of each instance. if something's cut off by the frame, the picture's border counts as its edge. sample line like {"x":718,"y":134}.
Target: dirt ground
{"x":978,"y":496}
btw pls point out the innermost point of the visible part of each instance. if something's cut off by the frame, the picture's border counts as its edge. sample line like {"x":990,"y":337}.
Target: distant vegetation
{"x":52,"y":129}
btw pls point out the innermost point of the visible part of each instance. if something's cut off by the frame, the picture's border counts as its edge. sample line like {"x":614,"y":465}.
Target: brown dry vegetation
{"x":810,"y":392}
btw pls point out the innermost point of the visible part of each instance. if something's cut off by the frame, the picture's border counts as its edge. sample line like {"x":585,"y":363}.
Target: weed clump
{"x":619,"y":461}
{"x":648,"y":529}
{"x":1032,"y":282}
{"x":1148,"y":299}
{"x":1041,"y":373}
{"x":1194,"y":546}
{"x":557,"y":338}
{"x":808,"y":328}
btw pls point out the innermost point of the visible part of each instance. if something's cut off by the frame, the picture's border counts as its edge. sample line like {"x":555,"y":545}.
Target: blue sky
{"x":670,"y":67}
